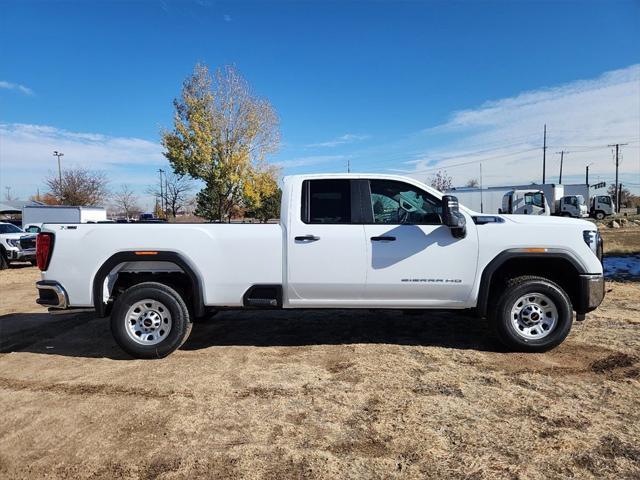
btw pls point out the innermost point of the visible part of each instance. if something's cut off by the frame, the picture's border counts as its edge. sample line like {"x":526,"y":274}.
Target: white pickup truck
{"x":344,"y":241}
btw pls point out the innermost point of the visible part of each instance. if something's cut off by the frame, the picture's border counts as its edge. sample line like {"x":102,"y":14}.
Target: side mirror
{"x":452,"y":217}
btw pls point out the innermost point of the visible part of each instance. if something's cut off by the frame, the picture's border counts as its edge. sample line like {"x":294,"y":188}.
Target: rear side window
{"x":326,"y":201}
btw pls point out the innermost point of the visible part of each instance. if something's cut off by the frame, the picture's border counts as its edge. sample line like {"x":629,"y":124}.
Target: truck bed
{"x":238,"y":253}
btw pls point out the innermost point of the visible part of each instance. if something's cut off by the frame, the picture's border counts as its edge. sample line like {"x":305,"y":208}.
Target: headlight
{"x":593,"y":239}
{"x":14,"y":242}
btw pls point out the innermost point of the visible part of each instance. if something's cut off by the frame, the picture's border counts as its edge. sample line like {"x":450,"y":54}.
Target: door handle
{"x":307,"y":238}
{"x":383,"y":239}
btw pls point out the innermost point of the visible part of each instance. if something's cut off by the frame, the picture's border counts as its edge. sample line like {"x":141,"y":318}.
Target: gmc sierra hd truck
{"x":343,"y":241}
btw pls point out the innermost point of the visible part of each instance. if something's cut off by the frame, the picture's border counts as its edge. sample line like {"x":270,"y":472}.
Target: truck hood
{"x":549,"y":220}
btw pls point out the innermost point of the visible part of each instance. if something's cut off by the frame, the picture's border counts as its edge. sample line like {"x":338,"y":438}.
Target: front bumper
{"x":51,"y":294}
{"x":590,"y":293}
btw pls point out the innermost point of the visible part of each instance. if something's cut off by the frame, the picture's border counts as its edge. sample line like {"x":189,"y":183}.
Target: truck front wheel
{"x":150,"y":320}
{"x":599,"y":215}
{"x":532,"y":314}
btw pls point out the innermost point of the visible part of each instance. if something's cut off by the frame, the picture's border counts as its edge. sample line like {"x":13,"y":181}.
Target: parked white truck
{"x":344,"y":241}
{"x":545,"y":199}
{"x":601,"y":206}
{"x":33,"y":216}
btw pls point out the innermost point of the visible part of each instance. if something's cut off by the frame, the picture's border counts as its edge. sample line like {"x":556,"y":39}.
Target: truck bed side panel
{"x":227,"y":258}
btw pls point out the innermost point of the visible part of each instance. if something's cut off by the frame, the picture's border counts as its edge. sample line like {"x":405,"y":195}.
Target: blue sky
{"x":406,"y":86}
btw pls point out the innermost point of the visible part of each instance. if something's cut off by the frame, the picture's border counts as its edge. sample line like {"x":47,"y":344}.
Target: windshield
{"x":9,"y":228}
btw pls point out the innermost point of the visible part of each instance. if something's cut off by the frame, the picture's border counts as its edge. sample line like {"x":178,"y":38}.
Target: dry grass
{"x":621,"y":241}
{"x":317,"y":395}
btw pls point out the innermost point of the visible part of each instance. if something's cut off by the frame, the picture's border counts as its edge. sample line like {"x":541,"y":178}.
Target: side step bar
{"x":263,"y":296}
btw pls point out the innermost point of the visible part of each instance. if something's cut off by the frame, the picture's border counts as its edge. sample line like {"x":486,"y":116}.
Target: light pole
{"x":59,"y":154}
{"x":586,"y":175}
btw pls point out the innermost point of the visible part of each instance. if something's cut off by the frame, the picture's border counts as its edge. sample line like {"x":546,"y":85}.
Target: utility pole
{"x":617,"y":145}
{"x":586,"y":175}
{"x":544,"y":155}
{"x":348,"y":165}
{"x":59,"y":154}
{"x":161,"y":171}
{"x":561,"y":152}
{"x":481,"y":205}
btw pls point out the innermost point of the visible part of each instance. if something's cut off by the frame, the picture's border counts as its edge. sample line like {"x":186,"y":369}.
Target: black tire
{"x":33,"y":262}
{"x":599,"y":215}
{"x":503,"y":324}
{"x":3,"y":261}
{"x":167,"y":296}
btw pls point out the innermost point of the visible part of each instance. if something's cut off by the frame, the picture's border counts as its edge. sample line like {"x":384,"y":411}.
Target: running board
{"x":263,"y":296}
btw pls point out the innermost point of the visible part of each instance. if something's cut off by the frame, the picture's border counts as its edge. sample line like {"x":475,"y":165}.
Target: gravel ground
{"x":317,"y":395}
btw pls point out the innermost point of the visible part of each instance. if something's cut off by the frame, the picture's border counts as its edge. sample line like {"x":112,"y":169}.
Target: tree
{"x":174,"y":192}
{"x":441,"y":181}
{"x":79,"y":187}
{"x":626,"y":197}
{"x":269,"y":207}
{"x":473,"y":183}
{"x":126,"y":201}
{"x":222,"y":134}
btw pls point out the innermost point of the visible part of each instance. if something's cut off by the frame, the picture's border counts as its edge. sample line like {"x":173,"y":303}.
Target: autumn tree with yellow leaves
{"x":222,"y":135}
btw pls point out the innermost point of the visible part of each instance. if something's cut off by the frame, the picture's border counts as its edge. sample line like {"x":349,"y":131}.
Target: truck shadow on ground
{"x":83,"y":335}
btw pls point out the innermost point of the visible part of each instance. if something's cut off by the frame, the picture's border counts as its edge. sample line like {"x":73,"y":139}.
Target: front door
{"x":325,"y":246}
{"x":412,"y":258}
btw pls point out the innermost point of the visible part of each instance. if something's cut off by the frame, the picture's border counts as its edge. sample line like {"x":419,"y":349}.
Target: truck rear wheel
{"x":150,"y":320}
{"x":532,"y":314}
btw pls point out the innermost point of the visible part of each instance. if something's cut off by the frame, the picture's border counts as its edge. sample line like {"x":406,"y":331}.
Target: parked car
{"x":15,"y":245}
{"x":344,"y":241}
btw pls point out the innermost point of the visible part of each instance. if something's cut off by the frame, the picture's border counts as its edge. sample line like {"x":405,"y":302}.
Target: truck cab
{"x":525,"y":202}
{"x":571,"y":206}
{"x":601,"y":206}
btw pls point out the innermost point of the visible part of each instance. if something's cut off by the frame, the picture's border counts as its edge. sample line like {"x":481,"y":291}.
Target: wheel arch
{"x":560,"y":266}
{"x":175,"y":258}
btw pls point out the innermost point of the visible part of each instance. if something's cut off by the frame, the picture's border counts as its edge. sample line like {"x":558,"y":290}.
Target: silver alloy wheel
{"x":534,"y":316}
{"x":148,"y":322}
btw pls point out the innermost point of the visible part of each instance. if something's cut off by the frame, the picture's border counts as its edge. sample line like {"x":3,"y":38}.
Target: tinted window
{"x":326,"y":201}
{"x":8,"y":228}
{"x":400,"y":203}
{"x":33,"y":229}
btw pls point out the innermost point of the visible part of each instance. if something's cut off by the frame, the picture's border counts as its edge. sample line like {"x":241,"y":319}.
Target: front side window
{"x":605,"y":200}
{"x":397,"y":203}
{"x":326,"y":201}
{"x":535,"y":199}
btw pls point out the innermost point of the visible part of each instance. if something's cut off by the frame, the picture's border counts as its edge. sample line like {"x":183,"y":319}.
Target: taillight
{"x":44,"y":246}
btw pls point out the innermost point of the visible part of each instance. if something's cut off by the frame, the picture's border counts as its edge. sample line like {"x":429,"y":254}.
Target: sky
{"x":409,"y":87}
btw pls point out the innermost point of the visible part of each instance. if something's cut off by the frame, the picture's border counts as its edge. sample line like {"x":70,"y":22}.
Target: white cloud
{"x":582,"y":117}
{"x":342,"y":140}
{"x":16,"y":86}
{"x":26,"y":156}
{"x":310,"y":160}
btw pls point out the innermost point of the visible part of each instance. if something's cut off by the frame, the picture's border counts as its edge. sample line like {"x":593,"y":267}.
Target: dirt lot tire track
{"x":516,"y":287}
{"x":181,"y":320}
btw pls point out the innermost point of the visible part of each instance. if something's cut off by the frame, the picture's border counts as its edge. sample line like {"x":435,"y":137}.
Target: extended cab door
{"x":326,"y":251}
{"x":412,"y":258}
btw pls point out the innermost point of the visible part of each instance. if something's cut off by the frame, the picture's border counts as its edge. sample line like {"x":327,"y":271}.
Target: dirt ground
{"x":317,"y":395}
